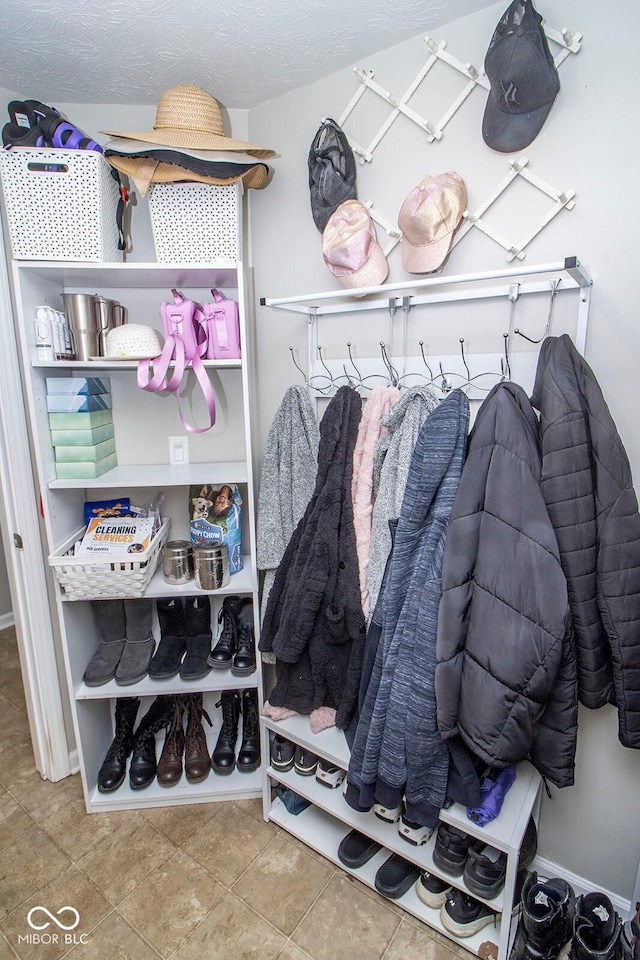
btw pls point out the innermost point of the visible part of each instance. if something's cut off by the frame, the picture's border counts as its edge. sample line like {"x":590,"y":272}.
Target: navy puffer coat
{"x":506,"y":674}
{"x":587,"y":484}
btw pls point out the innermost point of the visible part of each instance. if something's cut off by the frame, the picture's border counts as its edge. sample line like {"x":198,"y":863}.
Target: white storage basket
{"x":61,"y":204}
{"x":196,"y":222}
{"x":88,"y":579}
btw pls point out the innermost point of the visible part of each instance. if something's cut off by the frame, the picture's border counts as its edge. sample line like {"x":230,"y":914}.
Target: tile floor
{"x":203,"y":882}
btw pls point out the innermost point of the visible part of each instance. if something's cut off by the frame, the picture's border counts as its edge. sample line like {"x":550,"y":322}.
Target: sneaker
{"x":305,"y":762}
{"x":329,"y":775}
{"x":463,"y":916}
{"x":388,"y":814}
{"x":355,"y":849}
{"x":432,"y":890}
{"x":396,"y":876}
{"x":412,"y":832}
{"x":452,"y":848}
{"x":282,"y":753}
{"x":485,"y":871}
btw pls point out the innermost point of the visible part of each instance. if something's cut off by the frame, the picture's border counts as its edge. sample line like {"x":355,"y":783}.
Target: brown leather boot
{"x":197,"y":764}
{"x":170,"y":762}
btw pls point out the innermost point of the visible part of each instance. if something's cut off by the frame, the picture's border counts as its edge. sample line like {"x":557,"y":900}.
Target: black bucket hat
{"x":332,"y":172}
{"x":523,"y":77}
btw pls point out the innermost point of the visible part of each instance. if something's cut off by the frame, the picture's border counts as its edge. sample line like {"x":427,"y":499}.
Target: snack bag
{"x":216,"y":517}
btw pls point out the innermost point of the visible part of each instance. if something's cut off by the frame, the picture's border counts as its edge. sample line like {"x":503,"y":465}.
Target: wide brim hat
{"x":145,"y":164}
{"x":188,"y":117}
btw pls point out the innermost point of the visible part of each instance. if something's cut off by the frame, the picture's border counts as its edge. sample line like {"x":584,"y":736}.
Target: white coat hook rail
{"x":563,"y":200}
{"x":568,"y":43}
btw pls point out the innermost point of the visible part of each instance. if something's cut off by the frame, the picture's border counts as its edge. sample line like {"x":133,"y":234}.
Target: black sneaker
{"x":485,"y":871}
{"x":463,"y":916}
{"x":355,"y":849}
{"x":305,"y":762}
{"x":412,"y":832}
{"x":282,"y":753}
{"x":396,"y":876}
{"x":432,"y":890}
{"x":452,"y":848}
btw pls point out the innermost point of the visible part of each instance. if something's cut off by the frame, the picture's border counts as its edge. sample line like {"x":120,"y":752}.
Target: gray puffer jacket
{"x":506,"y":673}
{"x":587,"y":484}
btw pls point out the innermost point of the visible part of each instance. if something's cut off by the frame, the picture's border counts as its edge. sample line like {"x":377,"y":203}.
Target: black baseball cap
{"x":523,"y":77}
{"x":332,"y":172}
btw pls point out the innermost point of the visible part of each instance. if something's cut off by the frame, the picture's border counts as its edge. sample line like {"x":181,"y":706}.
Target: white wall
{"x":589,"y":143}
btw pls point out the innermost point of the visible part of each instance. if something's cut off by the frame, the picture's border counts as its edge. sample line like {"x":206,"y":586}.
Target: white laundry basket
{"x":196,"y":222}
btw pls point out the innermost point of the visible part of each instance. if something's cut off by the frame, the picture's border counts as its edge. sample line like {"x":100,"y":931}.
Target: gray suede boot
{"x":110,"y":623}
{"x":139,"y":644}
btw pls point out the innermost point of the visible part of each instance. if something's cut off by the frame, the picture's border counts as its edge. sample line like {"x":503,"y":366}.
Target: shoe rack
{"x":145,"y":425}
{"x":329,"y":818}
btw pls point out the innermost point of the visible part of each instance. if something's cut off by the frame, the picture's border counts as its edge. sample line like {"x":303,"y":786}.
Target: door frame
{"x":26,"y":563}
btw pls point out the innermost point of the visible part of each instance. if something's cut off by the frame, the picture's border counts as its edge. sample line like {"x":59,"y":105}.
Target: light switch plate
{"x":178,"y":450}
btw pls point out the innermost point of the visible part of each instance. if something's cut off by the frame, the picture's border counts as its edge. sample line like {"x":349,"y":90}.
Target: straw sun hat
{"x":189,"y":118}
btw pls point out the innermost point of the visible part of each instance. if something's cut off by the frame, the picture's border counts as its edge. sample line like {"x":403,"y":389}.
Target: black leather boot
{"x":222,"y":654}
{"x":249,"y":753}
{"x":223,"y":760}
{"x":597,"y":929}
{"x":244,"y":661}
{"x":114,"y":765}
{"x":166,"y":660}
{"x":546,"y":918}
{"x":197,"y":633}
{"x":143,"y":761}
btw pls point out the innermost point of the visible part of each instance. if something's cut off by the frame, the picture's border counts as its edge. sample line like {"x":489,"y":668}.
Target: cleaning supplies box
{"x":86,"y":470}
{"x":90,"y":452}
{"x":72,"y":403}
{"x":84,"y":386}
{"x":79,"y":421}
{"x":82,"y":437}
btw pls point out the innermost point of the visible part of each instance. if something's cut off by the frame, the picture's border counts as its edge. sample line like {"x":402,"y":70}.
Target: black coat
{"x":588,"y":488}
{"x":314,"y":622}
{"x":506,"y":674}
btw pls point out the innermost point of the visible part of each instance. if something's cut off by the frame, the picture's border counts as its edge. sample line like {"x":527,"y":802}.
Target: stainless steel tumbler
{"x":80,"y":311}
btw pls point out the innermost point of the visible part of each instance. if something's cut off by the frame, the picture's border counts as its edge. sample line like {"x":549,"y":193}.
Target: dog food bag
{"x":216,"y":517}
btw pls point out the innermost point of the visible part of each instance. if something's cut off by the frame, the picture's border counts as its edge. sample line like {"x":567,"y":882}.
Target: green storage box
{"x":89,"y":453}
{"x":87,"y":470}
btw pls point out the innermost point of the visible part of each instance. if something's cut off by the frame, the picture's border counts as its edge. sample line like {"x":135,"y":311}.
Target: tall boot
{"x":596,"y":929}
{"x":114,"y":765}
{"x":221,"y":656}
{"x":165,"y":662}
{"x":223,"y":760}
{"x":546,"y":919}
{"x":170,"y":762}
{"x":249,"y":753}
{"x":197,"y":632}
{"x":142,"y":769}
{"x":110,"y":624}
{"x":244,"y":661}
{"x":197,"y":765}
{"x":139,"y":644}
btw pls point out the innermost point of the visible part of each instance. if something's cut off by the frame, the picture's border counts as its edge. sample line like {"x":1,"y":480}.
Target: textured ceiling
{"x":243,"y":51}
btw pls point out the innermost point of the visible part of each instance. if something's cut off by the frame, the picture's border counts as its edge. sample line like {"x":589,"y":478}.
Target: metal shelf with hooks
{"x":453,"y":370}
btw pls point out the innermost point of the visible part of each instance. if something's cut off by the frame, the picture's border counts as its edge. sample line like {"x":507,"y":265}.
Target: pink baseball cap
{"x":350,"y":247}
{"x":428,"y":219}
